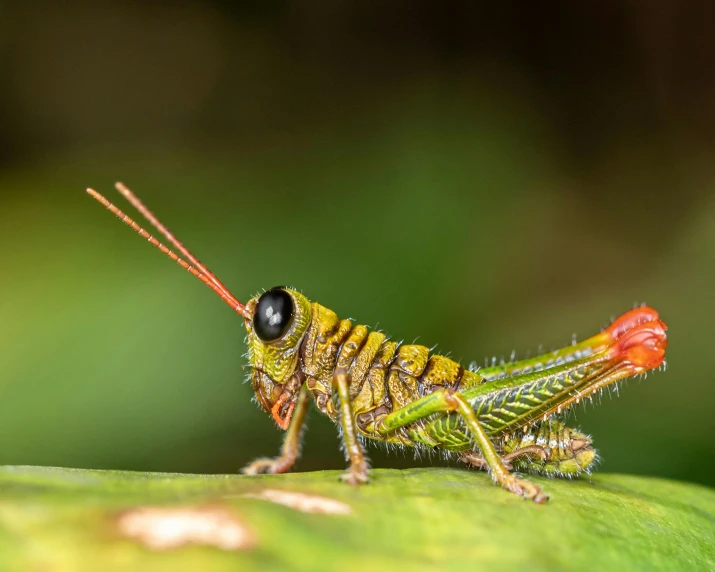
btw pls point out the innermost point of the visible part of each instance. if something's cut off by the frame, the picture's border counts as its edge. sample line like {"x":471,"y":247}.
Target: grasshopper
{"x":500,"y":418}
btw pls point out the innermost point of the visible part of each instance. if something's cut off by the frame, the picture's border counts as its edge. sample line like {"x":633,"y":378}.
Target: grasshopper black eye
{"x":273,"y":315}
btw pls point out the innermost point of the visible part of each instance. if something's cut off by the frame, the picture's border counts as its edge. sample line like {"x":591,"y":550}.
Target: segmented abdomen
{"x":384,"y":376}
{"x":568,"y":452}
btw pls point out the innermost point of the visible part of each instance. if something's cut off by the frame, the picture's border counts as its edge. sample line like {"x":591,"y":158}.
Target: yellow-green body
{"x":385,"y":376}
{"x":499,"y":418}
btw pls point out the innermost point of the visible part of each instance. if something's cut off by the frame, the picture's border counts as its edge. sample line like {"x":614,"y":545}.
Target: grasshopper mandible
{"x":497,"y":418}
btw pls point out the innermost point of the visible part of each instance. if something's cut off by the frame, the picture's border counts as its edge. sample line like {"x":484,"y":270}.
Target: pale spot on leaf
{"x":302,"y":502}
{"x":165,"y":528}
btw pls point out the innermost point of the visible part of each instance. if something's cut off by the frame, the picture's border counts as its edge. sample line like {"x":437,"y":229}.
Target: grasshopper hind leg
{"x":450,"y":401}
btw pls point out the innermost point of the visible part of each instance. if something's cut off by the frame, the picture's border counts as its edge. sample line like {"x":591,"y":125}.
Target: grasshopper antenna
{"x":196,"y":267}
{"x":156,"y":223}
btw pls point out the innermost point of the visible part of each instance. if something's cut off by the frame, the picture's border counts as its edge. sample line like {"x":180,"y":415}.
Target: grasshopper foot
{"x":268,"y":465}
{"x":525,"y":489}
{"x":356,"y":475}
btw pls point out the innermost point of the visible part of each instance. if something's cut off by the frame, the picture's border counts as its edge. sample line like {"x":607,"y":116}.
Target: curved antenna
{"x":156,"y":223}
{"x":198,"y":269}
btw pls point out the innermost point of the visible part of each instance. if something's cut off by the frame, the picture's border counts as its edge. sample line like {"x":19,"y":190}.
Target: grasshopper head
{"x":276,"y":322}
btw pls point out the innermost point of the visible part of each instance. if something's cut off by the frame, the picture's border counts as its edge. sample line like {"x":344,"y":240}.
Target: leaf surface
{"x":437,"y":518}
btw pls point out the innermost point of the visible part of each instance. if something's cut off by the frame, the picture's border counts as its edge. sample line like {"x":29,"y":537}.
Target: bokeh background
{"x":471,"y":176}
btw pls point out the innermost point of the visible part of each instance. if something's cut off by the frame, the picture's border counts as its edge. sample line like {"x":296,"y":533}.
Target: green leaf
{"x":71,"y":519}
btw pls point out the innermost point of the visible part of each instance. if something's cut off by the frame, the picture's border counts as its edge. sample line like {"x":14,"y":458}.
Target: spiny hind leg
{"x":575,"y":351}
{"x":499,"y":472}
{"x":290,"y":450}
{"x":448,"y":400}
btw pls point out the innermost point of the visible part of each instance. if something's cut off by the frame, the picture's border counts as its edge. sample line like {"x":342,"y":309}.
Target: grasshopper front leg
{"x":357,"y":470}
{"x":290,"y":451}
{"x":448,"y":400}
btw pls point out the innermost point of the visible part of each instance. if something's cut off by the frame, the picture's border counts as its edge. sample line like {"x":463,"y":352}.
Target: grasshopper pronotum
{"x":496,"y":418}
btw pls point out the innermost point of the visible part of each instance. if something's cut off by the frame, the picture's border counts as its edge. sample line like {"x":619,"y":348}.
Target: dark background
{"x":486,"y":178}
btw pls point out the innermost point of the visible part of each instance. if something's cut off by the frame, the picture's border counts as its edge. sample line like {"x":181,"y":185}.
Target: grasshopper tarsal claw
{"x":525,"y":489}
{"x":355,"y":477}
{"x":268,"y":466}
{"x":497,"y":418}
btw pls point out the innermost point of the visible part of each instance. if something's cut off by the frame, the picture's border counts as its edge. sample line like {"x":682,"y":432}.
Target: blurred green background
{"x":482,"y":179}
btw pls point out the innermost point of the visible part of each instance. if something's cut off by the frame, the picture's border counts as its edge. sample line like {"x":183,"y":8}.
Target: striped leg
{"x":447,"y":400}
{"x":357,"y":470}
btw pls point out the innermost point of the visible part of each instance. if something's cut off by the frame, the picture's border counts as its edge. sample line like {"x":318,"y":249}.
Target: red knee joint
{"x":631,"y":320}
{"x":642,"y":346}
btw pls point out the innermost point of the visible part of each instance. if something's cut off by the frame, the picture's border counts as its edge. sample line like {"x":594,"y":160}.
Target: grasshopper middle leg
{"x":357,"y":470}
{"x":447,"y":400}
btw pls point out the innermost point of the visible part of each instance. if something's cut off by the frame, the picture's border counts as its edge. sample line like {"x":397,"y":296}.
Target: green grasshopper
{"x":497,"y":418}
